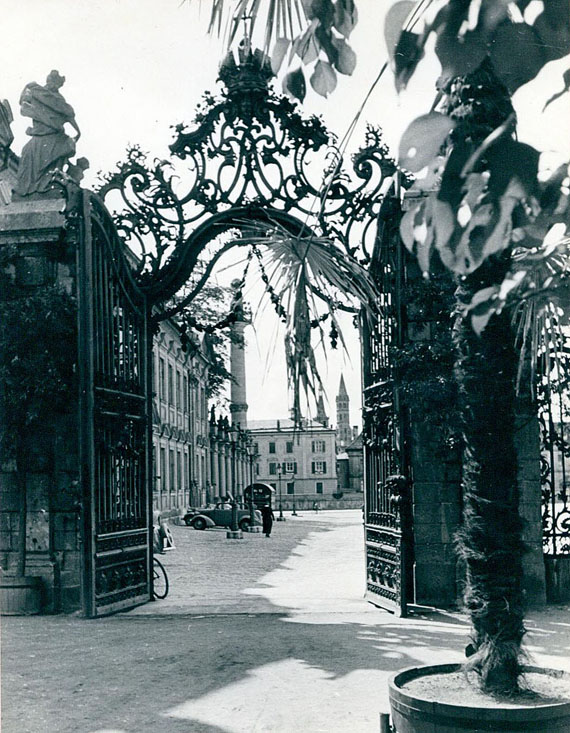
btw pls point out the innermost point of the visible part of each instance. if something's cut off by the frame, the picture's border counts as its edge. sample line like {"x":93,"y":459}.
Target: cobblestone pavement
{"x":257,"y":636}
{"x":211,"y":574}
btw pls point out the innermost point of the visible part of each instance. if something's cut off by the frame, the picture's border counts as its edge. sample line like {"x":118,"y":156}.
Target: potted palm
{"x":486,"y":211}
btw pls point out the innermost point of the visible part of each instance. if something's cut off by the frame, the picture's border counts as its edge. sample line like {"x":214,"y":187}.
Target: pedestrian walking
{"x":267,"y":518}
{"x":316,"y":507}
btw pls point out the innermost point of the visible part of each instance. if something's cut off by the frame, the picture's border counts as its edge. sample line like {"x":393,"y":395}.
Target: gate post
{"x":37,"y":242}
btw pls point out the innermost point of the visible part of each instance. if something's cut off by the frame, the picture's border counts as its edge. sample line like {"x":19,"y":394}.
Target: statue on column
{"x":50,"y":147}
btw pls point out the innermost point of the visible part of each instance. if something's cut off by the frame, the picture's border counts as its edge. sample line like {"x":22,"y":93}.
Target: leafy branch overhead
{"x":472,"y":204}
{"x":308,"y":33}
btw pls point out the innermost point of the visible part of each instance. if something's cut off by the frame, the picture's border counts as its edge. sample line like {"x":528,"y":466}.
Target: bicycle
{"x":159,"y":580}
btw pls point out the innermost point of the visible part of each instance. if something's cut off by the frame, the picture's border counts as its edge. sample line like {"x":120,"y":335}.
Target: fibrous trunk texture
{"x":490,"y":540}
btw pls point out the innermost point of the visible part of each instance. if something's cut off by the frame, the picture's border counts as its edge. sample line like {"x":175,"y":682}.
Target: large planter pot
{"x":20,"y":596}
{"x":412,"y":714}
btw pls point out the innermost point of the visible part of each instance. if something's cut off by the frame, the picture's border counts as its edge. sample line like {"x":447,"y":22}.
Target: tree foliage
{"x":37,"y":375}
{"x":213,"y":311}
{"x":309,"y":34}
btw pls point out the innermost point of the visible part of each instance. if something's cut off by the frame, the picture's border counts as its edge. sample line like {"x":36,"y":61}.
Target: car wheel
{"x":244,"y":525}
{"x":199,"y":523}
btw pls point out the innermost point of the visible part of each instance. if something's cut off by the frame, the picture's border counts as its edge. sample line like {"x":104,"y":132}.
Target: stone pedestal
{"x":230,"y":535}
{"x":436,"y":516}
{"x":527,"y":442}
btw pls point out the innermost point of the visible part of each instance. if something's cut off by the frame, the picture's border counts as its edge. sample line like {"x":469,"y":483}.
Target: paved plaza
{"x":256,"y":636}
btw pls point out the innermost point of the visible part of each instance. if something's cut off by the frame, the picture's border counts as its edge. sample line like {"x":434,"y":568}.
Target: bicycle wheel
{"x":159,"y":580}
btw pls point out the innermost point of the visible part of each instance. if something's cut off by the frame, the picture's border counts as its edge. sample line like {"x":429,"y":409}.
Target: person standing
{"x":267,"y":518}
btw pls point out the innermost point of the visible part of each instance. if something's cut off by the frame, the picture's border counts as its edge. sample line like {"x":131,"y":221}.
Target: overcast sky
{"x":133,"y":68}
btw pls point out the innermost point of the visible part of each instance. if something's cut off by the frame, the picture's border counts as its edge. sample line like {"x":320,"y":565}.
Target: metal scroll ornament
{"x":250,"y":155}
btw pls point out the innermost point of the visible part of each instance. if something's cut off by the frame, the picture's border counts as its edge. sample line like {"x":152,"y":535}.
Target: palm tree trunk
{"x":490,"y":540}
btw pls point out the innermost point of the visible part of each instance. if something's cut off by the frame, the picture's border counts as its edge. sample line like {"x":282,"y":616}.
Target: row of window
{"x":291,"y":487}
{"x":174,"y":471}
{"x":317,"y":446}
{"x":175,"y":390}
{"x":291,"y":467}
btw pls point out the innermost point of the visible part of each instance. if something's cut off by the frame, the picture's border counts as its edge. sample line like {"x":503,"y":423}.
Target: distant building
{"x":355,"y":454}
{"x":344,"y":434}
{"x":198,"y":456}
{"x":180,"y":421}
{"x":299,"y":461}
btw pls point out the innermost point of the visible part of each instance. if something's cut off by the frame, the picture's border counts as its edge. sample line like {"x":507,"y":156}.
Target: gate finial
{"x":250,"y":75}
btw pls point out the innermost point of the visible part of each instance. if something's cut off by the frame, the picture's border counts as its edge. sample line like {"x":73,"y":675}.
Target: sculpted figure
{"x":50,"y":147}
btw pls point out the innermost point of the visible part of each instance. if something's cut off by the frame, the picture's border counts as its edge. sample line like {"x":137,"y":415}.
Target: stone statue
{"x":76,"y":170}
{"x":50,"y":147}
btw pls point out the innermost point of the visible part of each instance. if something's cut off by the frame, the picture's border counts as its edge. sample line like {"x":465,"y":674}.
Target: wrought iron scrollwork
{"x":248,"y":148}
{"x":554,"y":477}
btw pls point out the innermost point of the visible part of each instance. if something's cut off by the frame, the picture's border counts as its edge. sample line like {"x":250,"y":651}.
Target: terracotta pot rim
{"x":398,"y":692}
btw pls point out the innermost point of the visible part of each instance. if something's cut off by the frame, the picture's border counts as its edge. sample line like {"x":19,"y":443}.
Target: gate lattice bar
{"x":114,"y":420}
{"x":555,"y":466}
{"x":387,"y":515}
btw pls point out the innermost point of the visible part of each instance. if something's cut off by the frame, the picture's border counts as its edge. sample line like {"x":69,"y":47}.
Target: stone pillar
{"x":436,"y":517}
{"x":238,"y":403}
{"x":221,"y":472}
{"x":36,"y":229}
{"x":215,"y":466}
{"x":227,"y":471}
{"x":527,"y":443}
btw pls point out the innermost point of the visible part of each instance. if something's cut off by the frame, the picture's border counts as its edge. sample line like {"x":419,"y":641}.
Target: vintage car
{"x":218,"y":516}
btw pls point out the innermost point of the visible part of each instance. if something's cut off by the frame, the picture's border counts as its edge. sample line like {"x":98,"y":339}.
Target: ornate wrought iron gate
{"x":555,"y":470}
{"x":242,"y":169}
{"x":114,"y":420}
{"x":387,"y":507}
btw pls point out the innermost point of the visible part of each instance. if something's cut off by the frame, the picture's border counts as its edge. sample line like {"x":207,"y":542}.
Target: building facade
{"x":350,"y":467}
{"x":198,"y":456}
{"x":180,"y":421}
{"x":298,"y":462}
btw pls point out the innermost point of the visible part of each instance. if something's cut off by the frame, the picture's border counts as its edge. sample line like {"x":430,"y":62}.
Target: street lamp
{"x":280,"y":518}
{"x":252,"y":456}
{"x":235,"y":532}
{"x":294,"y":512}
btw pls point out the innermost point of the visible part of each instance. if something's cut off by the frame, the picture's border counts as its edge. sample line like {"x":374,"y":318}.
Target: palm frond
{"x":309,"y":279}
{"x":276,"y":18}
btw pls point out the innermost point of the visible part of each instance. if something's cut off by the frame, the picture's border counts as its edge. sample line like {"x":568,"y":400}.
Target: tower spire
{"x":321,"y":414}
{"x":343,"y":431}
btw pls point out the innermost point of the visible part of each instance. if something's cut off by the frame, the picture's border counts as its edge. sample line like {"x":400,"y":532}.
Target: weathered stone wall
{"x":36,"y":228}
{"x":436,"y":506}
{"x":438,"y":575}
{"x":527,"y":442}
